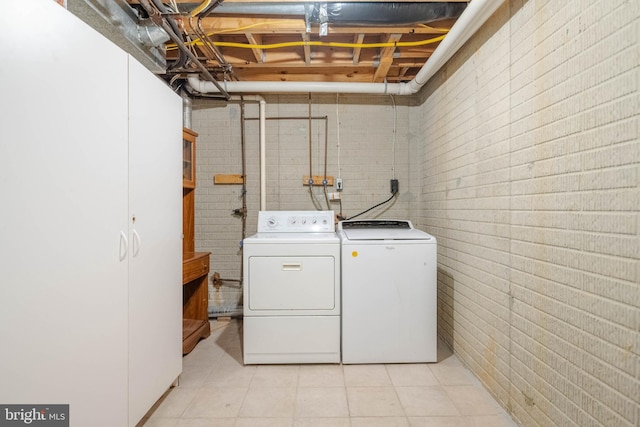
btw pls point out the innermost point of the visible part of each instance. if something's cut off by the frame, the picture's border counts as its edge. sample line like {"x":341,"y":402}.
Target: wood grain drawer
{"x":195,"y":267}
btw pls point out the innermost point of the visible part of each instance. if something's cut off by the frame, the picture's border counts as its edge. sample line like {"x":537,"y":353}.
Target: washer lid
{"x":381,"y":229}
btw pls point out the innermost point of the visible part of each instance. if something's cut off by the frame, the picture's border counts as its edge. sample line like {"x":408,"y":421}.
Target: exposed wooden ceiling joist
{"x":280,"y":47}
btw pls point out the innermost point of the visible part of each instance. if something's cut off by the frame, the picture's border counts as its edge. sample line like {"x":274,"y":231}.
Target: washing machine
{"x":389,"y":292}
{"x":292,"y":289}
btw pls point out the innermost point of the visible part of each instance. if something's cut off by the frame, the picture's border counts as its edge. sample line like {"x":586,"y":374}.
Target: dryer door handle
{"x":289,"y":266}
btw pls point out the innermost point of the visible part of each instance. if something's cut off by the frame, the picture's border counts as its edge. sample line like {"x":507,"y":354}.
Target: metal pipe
{"x":156,"y":16}
{"x":263,"y":144}
{"x":244,"y":184}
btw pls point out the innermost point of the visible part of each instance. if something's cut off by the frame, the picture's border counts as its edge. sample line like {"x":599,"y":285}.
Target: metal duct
{"x":388,"y":14}
{"x":359,"y":13}
{"x":118,"y":22}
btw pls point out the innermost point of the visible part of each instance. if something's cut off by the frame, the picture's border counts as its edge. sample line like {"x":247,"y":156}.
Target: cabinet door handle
{"x":136,"y":243}
{"x":124,"y":246}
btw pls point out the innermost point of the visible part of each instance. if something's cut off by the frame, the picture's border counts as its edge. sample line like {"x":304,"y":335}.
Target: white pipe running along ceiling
{"x":473,"y":17}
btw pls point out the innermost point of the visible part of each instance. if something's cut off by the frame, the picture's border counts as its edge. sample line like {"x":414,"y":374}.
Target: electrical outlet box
{"x":334,"y":197}
{"x":394,"y":186}
{"x":338,"y":184}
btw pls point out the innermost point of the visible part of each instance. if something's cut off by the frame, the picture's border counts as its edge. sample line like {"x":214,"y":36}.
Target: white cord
{"x":338,"y":133}
{"x":395,"y":122}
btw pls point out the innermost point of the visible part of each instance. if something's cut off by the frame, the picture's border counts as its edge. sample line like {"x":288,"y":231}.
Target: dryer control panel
{"x":296,"y":222}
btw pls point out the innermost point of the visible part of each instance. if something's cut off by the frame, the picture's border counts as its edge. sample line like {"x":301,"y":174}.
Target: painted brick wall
{"x":531,"y":183}
{"x":363,"y":150}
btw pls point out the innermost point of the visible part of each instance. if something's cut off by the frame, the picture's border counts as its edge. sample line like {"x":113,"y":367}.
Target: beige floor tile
{"x":216,"y":402}
{"x":411,"y":375}
{"x":451,"y":372}
{"x":207,"y":422}
{"x":276,"y":376}
{"x":366,"y":376}
{"x":194,"y":376}
{"x":230,"y":376}
{"x":232,"y":356}
{"x":321,"y":402}
{"x":373,"y":402}
{"x":203,"y":356}
{"x":472,"y":400}
{"x":426,"y":401}
{"x":321,"y":376}
{"x":441,"y":422}
{"x":173,"y":403}
{"x":159,"y":422}
{"x":501,"y":420}
{"x":263,"y":422}
{"x":379,"y":422}
{"x":217,"y":390}
{"x":322,"y":422}
{"x":269,"y":402}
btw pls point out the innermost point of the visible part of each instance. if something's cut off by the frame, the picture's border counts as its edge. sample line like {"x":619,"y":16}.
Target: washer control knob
{"x":272,"y":222}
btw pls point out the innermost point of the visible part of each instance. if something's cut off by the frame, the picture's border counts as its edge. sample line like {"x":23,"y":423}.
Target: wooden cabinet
{"x":195,"y":265}
{"x":189,"y":158}
{"x":195,"y":315}
{"x":93,"y":189}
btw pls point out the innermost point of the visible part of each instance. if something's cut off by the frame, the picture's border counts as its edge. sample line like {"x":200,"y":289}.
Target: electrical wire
{"x":395,"y":122}
{"x":373,"y":207}
{"x":318,"y":43}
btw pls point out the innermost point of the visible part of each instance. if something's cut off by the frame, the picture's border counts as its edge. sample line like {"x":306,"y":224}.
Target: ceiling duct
{"x":357,"y":13}
{"x":387,"y":14}
{"x":117,"y":21}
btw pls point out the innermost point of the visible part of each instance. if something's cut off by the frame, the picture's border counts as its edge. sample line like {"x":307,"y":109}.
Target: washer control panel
{"x":296,"y":222}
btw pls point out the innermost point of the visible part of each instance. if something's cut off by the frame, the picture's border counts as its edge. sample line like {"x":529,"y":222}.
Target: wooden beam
{"x":307,"y":49}
{"x":257,"y":40}
{"x":228,"y":179}
{"x":386,"y":58}
{"x":357,"y":39}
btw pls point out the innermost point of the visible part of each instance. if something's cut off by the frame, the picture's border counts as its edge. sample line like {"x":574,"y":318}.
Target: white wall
{"x":531,"y":163}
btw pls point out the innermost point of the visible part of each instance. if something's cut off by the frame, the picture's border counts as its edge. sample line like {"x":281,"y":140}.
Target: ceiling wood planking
{"x":279,"y":47}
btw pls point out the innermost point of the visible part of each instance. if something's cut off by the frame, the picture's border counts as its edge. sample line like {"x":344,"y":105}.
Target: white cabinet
{"x":90,"y":302}
{"x":155,"y":270}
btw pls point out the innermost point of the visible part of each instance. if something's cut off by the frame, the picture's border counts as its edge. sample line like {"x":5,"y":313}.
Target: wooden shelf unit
{"x":195,"y":265}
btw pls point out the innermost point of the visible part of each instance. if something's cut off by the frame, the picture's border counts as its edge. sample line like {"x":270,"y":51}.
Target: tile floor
{"x":216,"y":389}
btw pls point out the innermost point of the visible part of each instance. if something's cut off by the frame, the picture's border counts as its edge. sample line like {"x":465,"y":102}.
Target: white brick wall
{"x":522,"y":156}
{"x":531,"y":166}
{"x":364,"y":160}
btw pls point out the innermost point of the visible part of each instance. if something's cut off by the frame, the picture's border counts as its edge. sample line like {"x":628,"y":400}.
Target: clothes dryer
{"x":292,"y":289}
